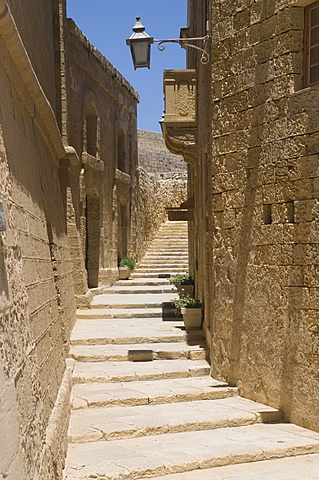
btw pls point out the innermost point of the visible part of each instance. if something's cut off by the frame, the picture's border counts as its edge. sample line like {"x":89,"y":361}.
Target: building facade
{"x":246,"y":122}
{"x":68,"y":161}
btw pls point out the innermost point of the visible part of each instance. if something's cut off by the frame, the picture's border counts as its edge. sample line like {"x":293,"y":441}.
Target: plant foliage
{"x":127,"y":262}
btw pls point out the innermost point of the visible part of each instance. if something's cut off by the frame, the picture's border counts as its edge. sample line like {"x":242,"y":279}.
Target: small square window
{"x":311,"y":45}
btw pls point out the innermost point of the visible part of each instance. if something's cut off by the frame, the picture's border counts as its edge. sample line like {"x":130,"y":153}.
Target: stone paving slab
{"x":93,"y":424}
{"x":129,"y":330}
{"x":135,"y":299}
{"x":146,"y":392}
{"x":178,"y":452}
{"x":119,"y":313}
{"x":141,"y":289}
{"x":125,"y":352}
{"x":140,"y":281}
{"x":130,"y":371}
{"x":302,"y":467}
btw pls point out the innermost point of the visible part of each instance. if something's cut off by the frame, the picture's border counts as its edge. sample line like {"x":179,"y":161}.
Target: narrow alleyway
{"x":144,"y":404}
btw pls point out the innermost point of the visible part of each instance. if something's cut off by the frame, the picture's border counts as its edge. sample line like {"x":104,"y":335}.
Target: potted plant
{"x":184,"y":284}
{"x":126,"y":266}
{"x":191,"y":309}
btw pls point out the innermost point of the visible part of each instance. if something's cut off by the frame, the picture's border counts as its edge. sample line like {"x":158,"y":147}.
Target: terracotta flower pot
{"x":192,"y":317}
{"x":124,"y":273}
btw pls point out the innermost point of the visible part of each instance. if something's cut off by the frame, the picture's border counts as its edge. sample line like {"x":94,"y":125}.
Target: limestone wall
{"x":104,"y":181}
{"x":154,"y":157}
{"x":37,"y":307}
{"x":265,"y":208}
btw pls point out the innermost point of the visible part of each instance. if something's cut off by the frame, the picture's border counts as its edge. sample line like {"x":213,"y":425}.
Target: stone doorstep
{"x":185,"y":451}
{"x":135,"y":352}
{"x":301,"y":467}
{"x":147,"y":392}
{"x":95,"y":424}
{"x":107,"y":371}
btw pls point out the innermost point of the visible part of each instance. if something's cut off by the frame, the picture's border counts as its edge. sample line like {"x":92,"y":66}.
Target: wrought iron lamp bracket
{"x":184,"y":43}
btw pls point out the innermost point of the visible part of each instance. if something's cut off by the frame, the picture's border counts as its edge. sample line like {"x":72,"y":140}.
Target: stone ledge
{"x":93,"y":162}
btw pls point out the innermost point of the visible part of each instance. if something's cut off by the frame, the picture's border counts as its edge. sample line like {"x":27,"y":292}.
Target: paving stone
{"x":178,"y":452}
{"x":136,"y":300}
{"x":129,"y":330}
{"x":118,"y":422}
{"x":302,"y":467}
{"x":148,"y":392}
{"x":120,"y":352}
{"x":129,"y":371}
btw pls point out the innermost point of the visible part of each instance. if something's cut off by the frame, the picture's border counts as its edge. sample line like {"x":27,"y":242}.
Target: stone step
{"x":146,"y":392}
{"x":140,"y":282}
{"x":106,"y":313}
{"x":148,"y":274}
{"x":105,"y":331}
{"x":135,"y":300}
{"x":170,"y":256}
{"x":134,"y":352}
{"x":186,"y":451}
{"x":142,"y":289}
{"x":85,"y":372}
{"x":160,"y":265}
{"x":300,"y":467}
{"x":100,"y":423}
{"x":157,"y":269}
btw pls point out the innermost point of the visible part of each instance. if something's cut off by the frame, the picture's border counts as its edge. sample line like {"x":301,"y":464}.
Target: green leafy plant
{"x":182,"y":278}
{"x":186,"y":302}
{"x":127,"y":262}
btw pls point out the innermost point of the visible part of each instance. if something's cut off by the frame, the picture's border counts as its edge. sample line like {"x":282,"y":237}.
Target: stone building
{"x":247,"y":124}
{"x":68,"y":161}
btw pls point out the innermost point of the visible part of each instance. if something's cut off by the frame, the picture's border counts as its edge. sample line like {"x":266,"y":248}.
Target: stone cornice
{"x":122,"y":177}
{"x":92,"y":162}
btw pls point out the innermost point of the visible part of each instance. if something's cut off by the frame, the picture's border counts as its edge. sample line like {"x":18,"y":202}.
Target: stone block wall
{"x":154,"y":157}
{"x":37,"y":307}
{"x":264,"y":140}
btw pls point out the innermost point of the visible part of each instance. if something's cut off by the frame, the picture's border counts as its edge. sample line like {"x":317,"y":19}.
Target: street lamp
{"x":140,"y":44}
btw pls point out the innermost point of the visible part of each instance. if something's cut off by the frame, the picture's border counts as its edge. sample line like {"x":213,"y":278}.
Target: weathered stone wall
{"x":265,"y":207}
{"x":107,"y":174}
{"x":154,"y":157}
{"x":37,"y":307}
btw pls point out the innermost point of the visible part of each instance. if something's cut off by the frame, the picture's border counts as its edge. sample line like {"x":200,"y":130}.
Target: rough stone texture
{"x":255,"y":248}
{"x":97,"y":94}
{"x":154,"y":157}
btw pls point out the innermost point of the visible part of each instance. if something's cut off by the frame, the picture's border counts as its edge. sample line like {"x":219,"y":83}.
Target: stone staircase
{"x":144,"y":404}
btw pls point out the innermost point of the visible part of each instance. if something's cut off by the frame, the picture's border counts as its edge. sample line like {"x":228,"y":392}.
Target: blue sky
{"x":108,"y":23}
